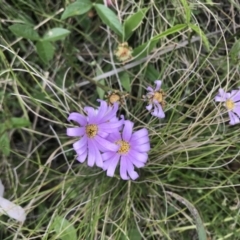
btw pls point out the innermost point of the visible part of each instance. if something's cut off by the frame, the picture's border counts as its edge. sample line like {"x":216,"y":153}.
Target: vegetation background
{"x":57,"y":57}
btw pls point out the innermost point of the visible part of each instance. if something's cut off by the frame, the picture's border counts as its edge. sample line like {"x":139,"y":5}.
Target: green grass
{"x":190,"y":183}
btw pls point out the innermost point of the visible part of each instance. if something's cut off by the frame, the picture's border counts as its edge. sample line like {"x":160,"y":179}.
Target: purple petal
{"x":135,"y":162}
{"x":127,"y":130}
{"x":139,"y":134}
{"x":237,"y":110}
{"x":106,"y":144}
{"x":112,"y":166}
{"x":91,"y":153}
{"x":149,"y":107}
{"x":76,"y":132}
{"x":111,"y":112}
{"x":142,"y":148}
{"x":130,"y":169}
{"x":235,"y":95}
{"x":140,"y":141}
{"x":91,"y":112}
{"x":142,"y":157}
{"x":109,"y":126}
{"x":81,"y":158}
{"x":158,"y":85}
{"x":102,"y":134}
{"x":80,"y":143}
{"x":99,"y":160}
{"x":81,"y":150}
{"x":79,"y":118}
{"x":115,"y":136}
{"x":102,"y":109}
{"x":149,"y":89}
{"x":158,"y":111}
{"x":233,"y":118}
{"x":221,"y":96}
{"x":123,"y":168}
{"x":107,"y":155}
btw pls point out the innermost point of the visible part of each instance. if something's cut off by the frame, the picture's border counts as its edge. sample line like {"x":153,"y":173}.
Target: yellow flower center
{"x":158,"y":96}
{"x":91,"y":130}
{"x":230,"y":104}
{"x":114,"y":98}
{"x":124,"y":147}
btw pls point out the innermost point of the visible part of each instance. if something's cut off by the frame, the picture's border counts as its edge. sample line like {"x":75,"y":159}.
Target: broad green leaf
{"x":45,"y":51}
{"x":146,"y":48}
{"x":125,"y":81}
{"x":64,"y":229}
{"x":199,"y":223}
{"x":109,"y":18}
{"x":19,"y":122}
{"x":77,"y":8}
{"x":187,"y":10}
{"x":55,"y":34}
{"x":199,"y":31}
{"x":235,"y":52}
{"x":24,"y":31}
{"x":133,"y":22}
{"x":151,"y":73}
{"x":4,"y":143}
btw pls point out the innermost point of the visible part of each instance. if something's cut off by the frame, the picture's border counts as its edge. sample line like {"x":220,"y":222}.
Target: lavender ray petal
{"x":114,"y":136}
{"x":99,"y":160}
{"x":219,"y":99}
{"x":150,"y":89}
{"x":235,"y":95}
{"x":142,"y":148}
{"x":237,"y":110}
{"x":109,"y":126}
{"x":130,"y":169}
{"x":135,"y":162}
{"x":140,"y":141}
{"x":76,"y":132}
{"x":111,"y":113}
{"x":81,"y":150}
{"x":108,"y":155}
{"x":158,"y":111}
{"x":233,"y":118}
{"x":102,"y":110}
{"x":91,"y":153}
{"x":141,"y":157}
{"x":106,"y":144}
{"x":123,"y":168}
{"x":139,"y":134}
{"x":106,"y":164}
{"x":80,"y":143}
{"x":81,"y":158}
{"x":127,"y":130}
{"x":102,"y":134}
{"x":91,"y":112}
{"x":112,"y":167}
{"x":158,"y":85}
{"x":79,"y":118}
{"x":149,"y":107}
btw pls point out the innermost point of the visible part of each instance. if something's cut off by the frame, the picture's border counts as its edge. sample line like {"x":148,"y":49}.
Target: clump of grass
{"x":190,"y":183}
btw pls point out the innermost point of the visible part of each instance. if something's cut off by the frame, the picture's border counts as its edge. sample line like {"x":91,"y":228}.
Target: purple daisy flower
{"x":132,"y":152}
{"x":93,"y":130}
{"x":156,"y":100}
{"x":232,"y":103}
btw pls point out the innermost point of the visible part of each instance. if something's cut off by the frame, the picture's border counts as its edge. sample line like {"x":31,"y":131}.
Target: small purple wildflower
{"x":132,"y":152}
{"x":232,"y":103}
{"x":156,"y":100}
{"x":93,"y":130}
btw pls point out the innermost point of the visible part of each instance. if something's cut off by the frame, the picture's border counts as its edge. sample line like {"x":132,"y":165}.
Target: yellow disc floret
{"x":91,"y":130}
{"x":124,"y":147}
{"x":230,"y":104}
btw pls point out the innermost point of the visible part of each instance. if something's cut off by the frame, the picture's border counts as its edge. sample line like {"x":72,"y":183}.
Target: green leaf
{"x":19,"y":122}
{"x":24,"y":31}
{"x":45,"y":51}
{"x":199,"y":223}
{"x":235,"y":51}
{"x":151,"y":73}
{"x":4,"y":143}
{"x":64,"y":229}
{"x":187,"y":10}
{"x":100,"y":91}
{"x":144,"y":49}
{"x":133,"y":22}
{"x":125,"y":81}
{"x":55,"y":34}
{"x":199,"y":31}
{"x":109,"y":18}
{"x":77,"y":8}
